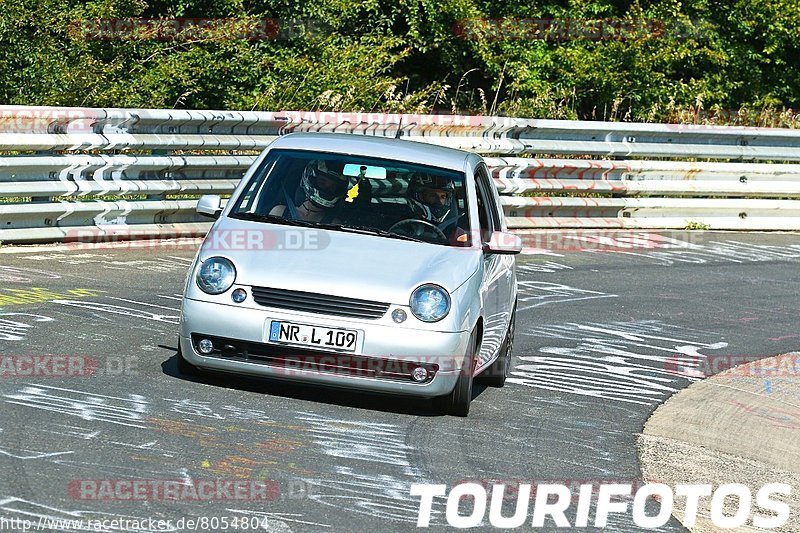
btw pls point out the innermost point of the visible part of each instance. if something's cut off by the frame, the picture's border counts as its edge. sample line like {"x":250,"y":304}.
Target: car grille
{"x":322,"y":304}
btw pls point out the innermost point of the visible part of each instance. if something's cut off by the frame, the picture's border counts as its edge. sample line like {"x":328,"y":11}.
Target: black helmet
{"x":327,"y":196}
{"x":432,"y":212}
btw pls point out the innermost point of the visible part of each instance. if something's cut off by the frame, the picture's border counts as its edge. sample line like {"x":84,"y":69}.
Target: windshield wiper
{"x":257,"y":217}
{"x":370,"y":231}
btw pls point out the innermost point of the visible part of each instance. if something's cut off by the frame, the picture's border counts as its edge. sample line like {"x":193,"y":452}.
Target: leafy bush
{"x":680,"y":61}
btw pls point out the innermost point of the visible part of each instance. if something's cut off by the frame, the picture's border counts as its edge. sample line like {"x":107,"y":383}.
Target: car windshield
{"x":392,"y":199}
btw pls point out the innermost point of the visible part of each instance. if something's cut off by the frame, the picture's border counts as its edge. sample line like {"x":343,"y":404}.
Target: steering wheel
{"x":423,"y":227}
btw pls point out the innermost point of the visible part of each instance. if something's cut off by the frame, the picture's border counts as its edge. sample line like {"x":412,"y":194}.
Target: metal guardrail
{"x":103,"y":153}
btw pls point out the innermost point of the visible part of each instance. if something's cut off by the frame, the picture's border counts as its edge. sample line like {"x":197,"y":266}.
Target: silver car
{"x":358,"y":262}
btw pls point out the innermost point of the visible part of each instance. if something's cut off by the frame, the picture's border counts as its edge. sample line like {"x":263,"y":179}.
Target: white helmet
{"x":326,"y":196}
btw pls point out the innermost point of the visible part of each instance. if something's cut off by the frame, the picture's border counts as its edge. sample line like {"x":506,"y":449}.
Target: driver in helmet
{"x":431,"y":202}
{"x":432,"y":199}
{"x":318,"y":197}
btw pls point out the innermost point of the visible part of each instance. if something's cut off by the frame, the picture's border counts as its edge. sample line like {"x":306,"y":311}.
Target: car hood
{"x":321,"y":261}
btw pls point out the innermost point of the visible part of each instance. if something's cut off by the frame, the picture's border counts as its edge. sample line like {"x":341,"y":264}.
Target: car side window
{"x":485,"y":183}
{"x":484,"y":205}
{"x":254,"y":192}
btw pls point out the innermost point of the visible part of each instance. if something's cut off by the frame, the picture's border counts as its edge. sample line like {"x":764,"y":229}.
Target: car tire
{"x":185,"y":367}
{"x":495,"y":375}
{"x":457,"y":403}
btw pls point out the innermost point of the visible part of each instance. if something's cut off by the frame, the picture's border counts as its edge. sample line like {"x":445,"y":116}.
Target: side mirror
{"x":503,"y":242}
{"x":209,"y":206}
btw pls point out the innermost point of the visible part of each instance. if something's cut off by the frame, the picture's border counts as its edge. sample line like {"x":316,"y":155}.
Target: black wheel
{"x":185,"y":367}
{"x":458,"y":401}
{"x":496,"y":374}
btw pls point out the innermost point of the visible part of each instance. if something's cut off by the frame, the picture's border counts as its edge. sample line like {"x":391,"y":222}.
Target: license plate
{"x":313,"y":336}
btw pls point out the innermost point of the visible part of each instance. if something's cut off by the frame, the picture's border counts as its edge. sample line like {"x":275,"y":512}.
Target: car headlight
{"x":216,"y":275}
{"x":430,"y":303}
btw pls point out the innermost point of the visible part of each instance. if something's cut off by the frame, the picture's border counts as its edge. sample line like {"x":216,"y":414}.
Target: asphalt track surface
{"x":597,"y":332}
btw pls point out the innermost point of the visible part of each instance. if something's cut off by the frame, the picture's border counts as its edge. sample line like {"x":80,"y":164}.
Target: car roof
{"x":382,"y":147}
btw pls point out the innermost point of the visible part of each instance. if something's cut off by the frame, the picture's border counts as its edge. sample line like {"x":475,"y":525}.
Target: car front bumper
{"x":381,"y":350}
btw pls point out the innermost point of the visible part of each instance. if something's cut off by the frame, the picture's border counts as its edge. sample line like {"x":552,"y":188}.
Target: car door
{"x":508,"y":261}
{"x":496,"y":282}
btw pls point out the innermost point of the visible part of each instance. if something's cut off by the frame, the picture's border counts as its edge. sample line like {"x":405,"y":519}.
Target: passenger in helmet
{"x":318,"y":195}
